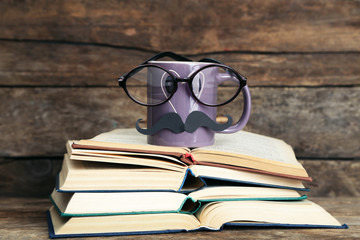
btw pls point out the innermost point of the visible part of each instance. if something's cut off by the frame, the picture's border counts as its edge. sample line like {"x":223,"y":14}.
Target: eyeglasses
{"x":152,"y":85}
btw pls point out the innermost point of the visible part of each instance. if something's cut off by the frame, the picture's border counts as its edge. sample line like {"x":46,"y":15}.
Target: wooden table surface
{"x":22,"y":218}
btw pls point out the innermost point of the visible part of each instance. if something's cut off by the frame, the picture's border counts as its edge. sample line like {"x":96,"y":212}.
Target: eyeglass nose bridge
{"x":182,"y":80}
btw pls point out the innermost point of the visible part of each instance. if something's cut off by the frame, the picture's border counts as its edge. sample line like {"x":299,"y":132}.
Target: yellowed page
{"x":126,"y":135}
{"x":252,"y":145}
{"x":214,"y":215}
{"x":122,"y":223}
{"x":132,"y":140}
{"x":230,"y":192}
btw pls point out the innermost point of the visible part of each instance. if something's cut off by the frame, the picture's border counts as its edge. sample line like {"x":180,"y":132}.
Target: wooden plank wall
{"x":59,"y":61}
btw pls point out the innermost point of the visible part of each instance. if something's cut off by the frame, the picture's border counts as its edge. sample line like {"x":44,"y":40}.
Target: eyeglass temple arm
{"x":172,"y":55}
{"x":178,"y":57}
{"x":210,"y":60}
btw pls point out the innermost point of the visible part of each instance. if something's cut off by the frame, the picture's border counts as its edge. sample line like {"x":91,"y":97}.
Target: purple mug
{"x":208,"y":85}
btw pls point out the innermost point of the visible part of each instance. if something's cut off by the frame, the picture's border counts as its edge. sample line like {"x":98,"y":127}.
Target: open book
{"x":246,"y":151}
{"x":101,"y":174}
{"x":247,"y":158}
{"x":115,"y":203}
{"x":211,"y":216}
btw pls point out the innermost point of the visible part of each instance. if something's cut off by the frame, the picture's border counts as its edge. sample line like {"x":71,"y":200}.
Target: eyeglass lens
{"x":213,"y":85}
{"x":150,"y":85}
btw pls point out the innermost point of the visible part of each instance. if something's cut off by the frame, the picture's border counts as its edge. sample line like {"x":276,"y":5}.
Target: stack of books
{"x":117,"y":184}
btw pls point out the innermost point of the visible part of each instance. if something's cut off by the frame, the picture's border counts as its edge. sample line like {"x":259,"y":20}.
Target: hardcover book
{"x":246,"y":151}
{"x":90,"y":176}
{"x":211,"y":216}
{"x":121,"y":160}
{"x":115,"y":203}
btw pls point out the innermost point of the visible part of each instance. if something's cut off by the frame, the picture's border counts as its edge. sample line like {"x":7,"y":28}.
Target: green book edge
{"x":62,"y":214}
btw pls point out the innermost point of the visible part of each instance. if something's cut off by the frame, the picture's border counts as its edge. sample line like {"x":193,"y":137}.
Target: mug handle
{"x":245,"y":115}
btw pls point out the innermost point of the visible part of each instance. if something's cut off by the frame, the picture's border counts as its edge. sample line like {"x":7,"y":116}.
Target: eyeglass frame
{"x":214,"y":63}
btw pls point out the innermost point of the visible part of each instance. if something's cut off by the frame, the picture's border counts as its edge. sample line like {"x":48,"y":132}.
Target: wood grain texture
{"x":28,"y":177}
{"x":25,"y":219}
{"x":38,"y":121}
{"x":317,"y":122}
{"x":189,"y":26}
{"x":333,"y":178}
{"x":49,"y":64}
{"x":59,"y":61}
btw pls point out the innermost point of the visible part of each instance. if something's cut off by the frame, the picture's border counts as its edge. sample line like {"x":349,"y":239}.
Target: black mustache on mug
{"x":173,"y":122}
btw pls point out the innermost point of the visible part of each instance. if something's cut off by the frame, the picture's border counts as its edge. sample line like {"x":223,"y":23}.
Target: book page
{"x":120,"y":155}
{"x":130,"y":139}
{"x":222,"y":193}
{"x":253,"y":145}
{"x":128,"y":136}
{"x":122,"y":224}
{"x":303,"y":212}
